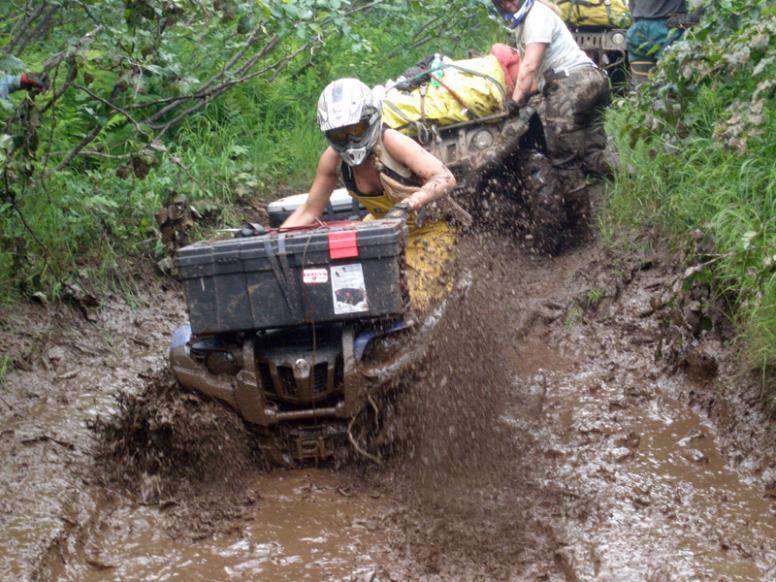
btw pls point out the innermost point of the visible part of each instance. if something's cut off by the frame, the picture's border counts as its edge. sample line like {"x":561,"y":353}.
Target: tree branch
{"x":87,"y":139}
{"x":110,"y":105}
{"x":40,"y":30}
{"x":202,"y":94}
{"x":22,"y":28}
{"x":278,"y":66}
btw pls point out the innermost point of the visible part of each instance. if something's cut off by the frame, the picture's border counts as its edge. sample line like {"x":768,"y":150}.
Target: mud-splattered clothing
{"x":572,"y":116}
{"x":430,"y":248}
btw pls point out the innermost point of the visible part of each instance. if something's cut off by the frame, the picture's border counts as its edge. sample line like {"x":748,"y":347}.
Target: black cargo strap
{"x":289,"y":274}
{"x":282,"y":272}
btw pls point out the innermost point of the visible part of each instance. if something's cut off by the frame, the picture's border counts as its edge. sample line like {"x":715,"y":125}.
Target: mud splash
{"x":187,"y":455}
{"x":461,"y":476}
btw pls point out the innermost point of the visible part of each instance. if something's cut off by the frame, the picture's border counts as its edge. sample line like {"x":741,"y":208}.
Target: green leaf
{"x":114,"y":122}
{"x":10,"y":63}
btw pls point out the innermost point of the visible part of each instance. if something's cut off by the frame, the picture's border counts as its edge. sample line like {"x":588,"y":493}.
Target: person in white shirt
{"x":574,"y":89}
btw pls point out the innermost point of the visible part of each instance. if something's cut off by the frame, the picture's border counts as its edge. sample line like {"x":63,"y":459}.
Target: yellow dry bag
{"x":459,"y":91}
{"x":607,"y":13}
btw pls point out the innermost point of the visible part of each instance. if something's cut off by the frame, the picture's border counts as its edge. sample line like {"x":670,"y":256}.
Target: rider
{"x":573,"y":87}
{"x":389,"y":174}
{"x":650,"y":34}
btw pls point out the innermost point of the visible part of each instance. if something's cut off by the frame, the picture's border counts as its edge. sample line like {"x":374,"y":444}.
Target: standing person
{"x":390,"y":174}
{"x":574,"y":88}
{"x":650,"y":34}
{"x":28,"y":81}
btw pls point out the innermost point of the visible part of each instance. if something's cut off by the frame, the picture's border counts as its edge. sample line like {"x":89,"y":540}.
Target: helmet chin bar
{"x":357,"y":149}
{"x":354,"y":156}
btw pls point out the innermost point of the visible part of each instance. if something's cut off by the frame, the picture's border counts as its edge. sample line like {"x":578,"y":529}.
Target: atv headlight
{"x":302,"y":368}
{"x":483,"y":139}
{"x":618,"y":39}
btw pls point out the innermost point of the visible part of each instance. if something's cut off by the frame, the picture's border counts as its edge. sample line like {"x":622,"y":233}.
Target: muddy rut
{"x":550,"y":439}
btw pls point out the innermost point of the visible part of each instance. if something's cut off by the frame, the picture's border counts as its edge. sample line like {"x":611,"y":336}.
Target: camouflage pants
{"x":572,"y":119}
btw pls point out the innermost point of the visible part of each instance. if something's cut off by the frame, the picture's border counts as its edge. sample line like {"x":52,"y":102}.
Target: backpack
{"x":606,"y":13}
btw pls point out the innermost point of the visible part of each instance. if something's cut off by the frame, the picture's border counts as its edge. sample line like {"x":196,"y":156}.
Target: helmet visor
{"x":341,"y":136}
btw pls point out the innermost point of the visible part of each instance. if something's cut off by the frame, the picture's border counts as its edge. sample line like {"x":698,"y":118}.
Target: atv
{"x":607,"y":48}
{"x":290,"y":327}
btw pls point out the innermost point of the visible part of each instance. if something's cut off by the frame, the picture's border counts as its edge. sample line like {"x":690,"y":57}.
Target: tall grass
{"x":697,"y":161}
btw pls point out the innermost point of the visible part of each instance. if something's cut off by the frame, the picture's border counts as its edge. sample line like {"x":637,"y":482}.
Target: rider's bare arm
{"x":526,"y":84}
{"x":326,"y":178}
{"x":438,"y":180}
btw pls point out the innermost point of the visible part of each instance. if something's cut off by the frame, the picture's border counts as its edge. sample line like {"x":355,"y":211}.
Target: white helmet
{"x":350,"y":119}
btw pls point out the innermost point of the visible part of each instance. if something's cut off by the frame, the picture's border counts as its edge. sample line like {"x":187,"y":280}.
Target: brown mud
{"x":548,"y":437}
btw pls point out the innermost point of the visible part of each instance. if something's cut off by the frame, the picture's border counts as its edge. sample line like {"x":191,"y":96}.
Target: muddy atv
{"x":607,"y":48}
{"x":293,"y":328}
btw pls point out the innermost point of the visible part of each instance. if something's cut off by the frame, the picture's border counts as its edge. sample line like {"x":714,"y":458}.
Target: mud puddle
{"x":308,"y":524}
{"x":67,"y":369}
{"x":647,"y":493}
{"x":610,"y":474}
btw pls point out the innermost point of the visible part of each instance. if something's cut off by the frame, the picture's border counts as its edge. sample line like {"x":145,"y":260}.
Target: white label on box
{"x":315,"y":276}
{"x":348,"y":289}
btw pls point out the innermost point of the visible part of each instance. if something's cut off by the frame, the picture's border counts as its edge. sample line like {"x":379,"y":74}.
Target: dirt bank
{"x":551,"y":438}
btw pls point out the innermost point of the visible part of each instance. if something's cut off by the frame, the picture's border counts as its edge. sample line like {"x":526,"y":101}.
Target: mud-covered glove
{"x":511,"y":106}
{"x":400,"y":210}
{"x":250,"y":229}
{"x":34,"y":81}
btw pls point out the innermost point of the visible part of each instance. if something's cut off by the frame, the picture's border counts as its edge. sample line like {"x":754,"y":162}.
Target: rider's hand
{"x":400,"y":210}
{"x":35,"y":81}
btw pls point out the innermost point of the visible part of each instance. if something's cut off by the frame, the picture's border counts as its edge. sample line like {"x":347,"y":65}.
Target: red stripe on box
{"x":342,"y":244}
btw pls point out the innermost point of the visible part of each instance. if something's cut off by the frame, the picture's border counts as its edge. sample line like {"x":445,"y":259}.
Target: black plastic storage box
{"x":348,"y":270}
{"x":341,"y":206}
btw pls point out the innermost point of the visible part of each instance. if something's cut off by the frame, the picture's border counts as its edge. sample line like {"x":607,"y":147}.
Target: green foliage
{"x":697,"y":158}
{"x":214,"y":100}
{"x":5,"y":366}
{"x":593,"y":297}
